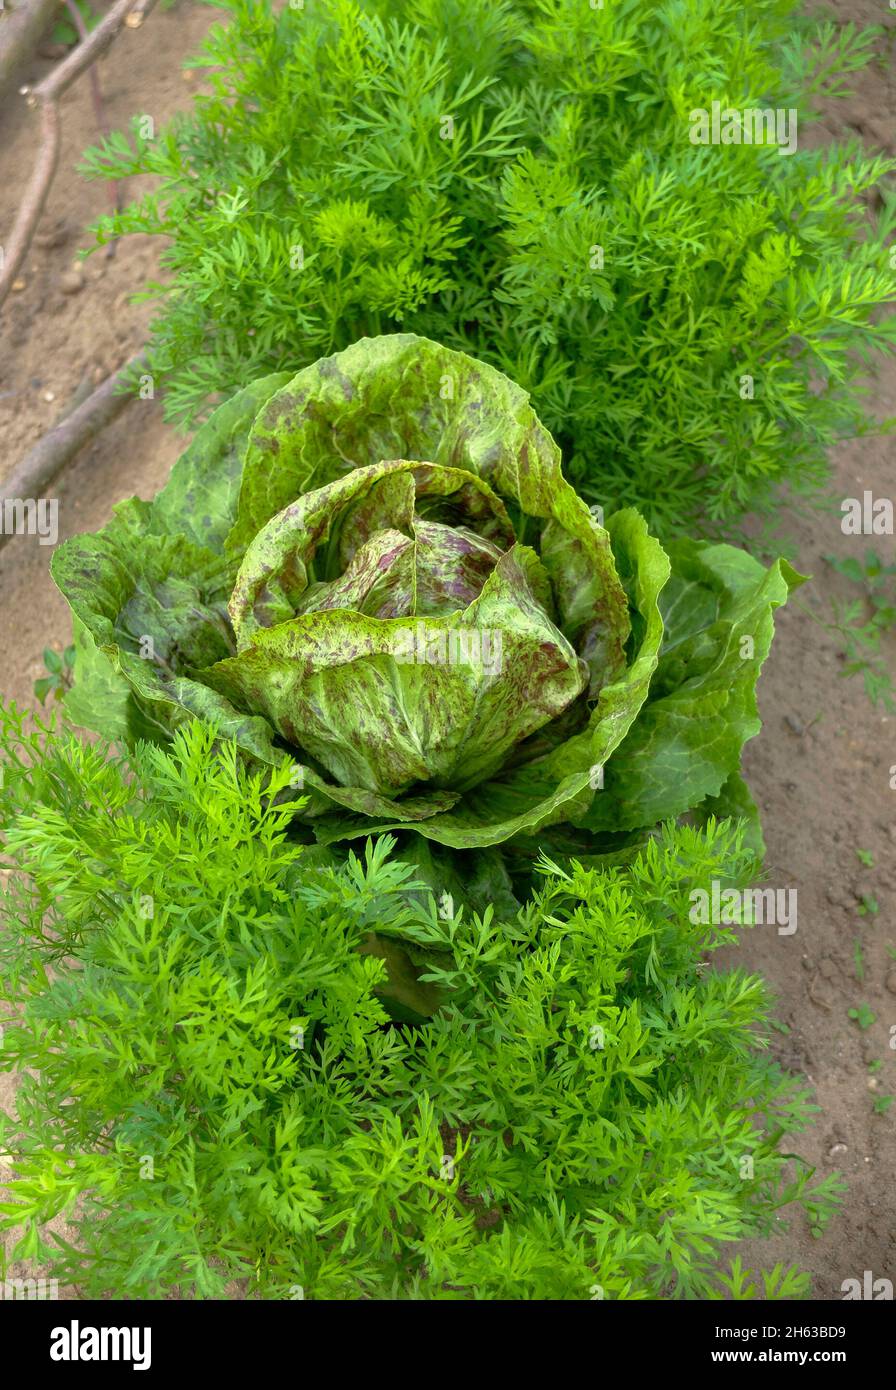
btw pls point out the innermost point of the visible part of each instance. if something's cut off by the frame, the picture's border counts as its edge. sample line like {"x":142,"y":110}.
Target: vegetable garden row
{"x":368,"y":858}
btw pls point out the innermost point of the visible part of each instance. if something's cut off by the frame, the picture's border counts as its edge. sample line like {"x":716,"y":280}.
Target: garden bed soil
{"x":821,"y":770}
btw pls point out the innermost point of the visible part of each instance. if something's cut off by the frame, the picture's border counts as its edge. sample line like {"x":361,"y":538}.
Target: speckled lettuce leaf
{"x":405,"y":397}
{"x":140,"y":617}
{"x":101,"y":697}
{"x":364,"y":699}
{"x":319,"y":544}
{"x":200,"y":499}
{"x":559,"y":784}
{"x":687,"y":742}
{"x":393,"y":397}
{"x":121,"y":592}
{"x":115,"y":579}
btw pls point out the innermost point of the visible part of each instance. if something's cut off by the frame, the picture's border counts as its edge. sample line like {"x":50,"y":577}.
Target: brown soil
{"x":820,"y":770}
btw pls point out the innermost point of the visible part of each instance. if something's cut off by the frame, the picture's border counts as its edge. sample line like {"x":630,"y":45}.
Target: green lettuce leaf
{"x":562,"y":783}
{"x":363,"y":698}
{"x":100,"y":575}
{"x":717,"y":614}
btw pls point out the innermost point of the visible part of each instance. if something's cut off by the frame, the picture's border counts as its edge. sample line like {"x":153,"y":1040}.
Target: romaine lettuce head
{"x":376,"y":571}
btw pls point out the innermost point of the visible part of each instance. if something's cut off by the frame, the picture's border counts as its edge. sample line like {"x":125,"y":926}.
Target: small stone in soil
{"x":71,"y":282}
{"x":795,"y":725}
{"x":53,"y":236}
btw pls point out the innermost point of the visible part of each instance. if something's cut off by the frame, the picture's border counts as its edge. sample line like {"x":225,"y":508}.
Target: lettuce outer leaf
{"x":200,"y":498}
{"x":100,"y":574}
{"x":702,"y":707}
{"x":735,"y":802}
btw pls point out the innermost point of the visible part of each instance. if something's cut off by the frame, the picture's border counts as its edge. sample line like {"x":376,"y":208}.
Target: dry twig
{"x":46,"y":95}
{"x":83,"y":32}
{"x":99,"y":110}
{"x":51,"y":453}
{"x":20,"y":32}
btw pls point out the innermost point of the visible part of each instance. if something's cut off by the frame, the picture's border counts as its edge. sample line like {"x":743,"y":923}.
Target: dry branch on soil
{"x":51,"y":453}
{"x":20,"y":30}
{"x":46,"y":95}
{"x":99,"y":109}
